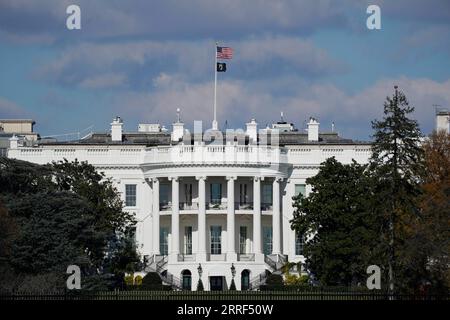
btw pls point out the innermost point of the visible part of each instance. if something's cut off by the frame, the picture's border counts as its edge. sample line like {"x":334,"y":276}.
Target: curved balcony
{"x":215,"y":154}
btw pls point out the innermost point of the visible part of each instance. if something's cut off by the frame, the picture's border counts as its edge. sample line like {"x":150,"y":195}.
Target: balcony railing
{"x":246,"y":257}
{"x":167,"y":206}
{"x":188,"y":206}
{"x":243,"y":206}
{"x":216,"y":206}
{"x":217,"y":257}
{"x":265,"y":206}
{"x":216,"y":154}
{"x":186,"y":257}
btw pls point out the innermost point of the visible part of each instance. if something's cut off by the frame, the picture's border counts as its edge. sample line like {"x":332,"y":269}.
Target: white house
{"x":208,"y":201}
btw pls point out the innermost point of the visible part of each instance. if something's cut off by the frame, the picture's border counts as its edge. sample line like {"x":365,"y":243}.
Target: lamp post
{"x":200,"y":283}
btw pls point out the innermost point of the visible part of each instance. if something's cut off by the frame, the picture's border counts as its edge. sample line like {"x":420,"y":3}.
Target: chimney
{"x":116,"y":129}
{"x":178,"y":128}
{"x":252,"y":131}
{"x":442,"y":120}
{"x":313,"y":130}
{"x":14,"y":142}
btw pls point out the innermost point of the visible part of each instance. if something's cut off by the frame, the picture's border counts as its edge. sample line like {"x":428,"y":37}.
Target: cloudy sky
{"x":143,"y":59}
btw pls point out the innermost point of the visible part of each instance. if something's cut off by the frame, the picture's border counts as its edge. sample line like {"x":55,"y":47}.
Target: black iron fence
{"x":212,"y":295}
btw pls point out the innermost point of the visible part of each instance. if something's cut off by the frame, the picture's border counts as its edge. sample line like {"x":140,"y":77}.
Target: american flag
{"x":224,"y":53}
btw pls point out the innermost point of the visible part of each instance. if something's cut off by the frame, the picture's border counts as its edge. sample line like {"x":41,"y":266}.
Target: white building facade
{"x":209,"y":204}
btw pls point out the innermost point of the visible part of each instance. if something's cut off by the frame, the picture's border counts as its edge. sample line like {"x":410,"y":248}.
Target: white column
{"x":257,"y":217}
{"x":201,"y":253}
{"x":231,"y":247}
{"x":276,"y":225}
{"x":175,"y":220}
{"x":155,"y":192}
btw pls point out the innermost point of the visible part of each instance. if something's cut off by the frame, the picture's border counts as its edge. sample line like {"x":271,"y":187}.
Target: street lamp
{"x":233,"y":270}
{"x":200,"y":270}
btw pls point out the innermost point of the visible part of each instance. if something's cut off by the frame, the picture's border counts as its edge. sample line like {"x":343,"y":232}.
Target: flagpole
{"x":214,"y":124}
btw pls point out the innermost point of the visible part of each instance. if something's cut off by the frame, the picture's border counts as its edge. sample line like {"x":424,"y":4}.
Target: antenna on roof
{"x":282,"y":116}
{"x":178,"y":115}
{"x":332,"y":126}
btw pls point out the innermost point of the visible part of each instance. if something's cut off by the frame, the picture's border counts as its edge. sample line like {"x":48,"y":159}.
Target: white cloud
{"x":103,"y":81}
{"x":81,"y":63}
{"x":9,"y":109}
{"x":238,"y":102}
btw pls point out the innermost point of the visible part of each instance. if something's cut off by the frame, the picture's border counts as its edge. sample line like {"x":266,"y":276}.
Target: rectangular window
{"x":216,"y":193}
{"x":266,"y":202}
{"x":299,"y":243}
{"x":216,"y":240}
{"x":188,"y":240}
{"x":188,"y":194}
{"x":164,"y":195}
{"x":267,"y":240}
{"x":242,"y":239}
{"x":130,"y":195}
{"x":300,"y":189}
{"x":243,"y":196}
{"x":164,"y":241}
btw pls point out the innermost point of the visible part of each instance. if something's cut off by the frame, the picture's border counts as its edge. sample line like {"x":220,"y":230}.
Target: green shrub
{"x":138,"y":280}
{"x":200,"y":285}
{"x":129,"y":280}
{"x":152,"y":281}
{"x":275,"y":280}
{"x":232,"y":286}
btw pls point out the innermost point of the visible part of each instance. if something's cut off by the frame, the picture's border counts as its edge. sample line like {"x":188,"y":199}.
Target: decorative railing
{"x":266,"y":206}
{"x":216,"y":154}
{"x":246,"y":257}
{"x":243,"y":206}
{"x":275,"y":262}
{"x":165,"y":206}
{"x":186,"y":257}
{"x":216,"y":206}
{"x":161,"y":263}
{"x":171,"y":280}
{"x":188,"y":206}
{"x":258,"y":280}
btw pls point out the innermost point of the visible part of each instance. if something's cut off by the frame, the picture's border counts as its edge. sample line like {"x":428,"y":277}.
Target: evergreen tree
{"x":200,"y":285}
{"x":338,"y":217}
{"x":397,"y":162}
{"x":65,"y":213}
{"x":232,"y":285}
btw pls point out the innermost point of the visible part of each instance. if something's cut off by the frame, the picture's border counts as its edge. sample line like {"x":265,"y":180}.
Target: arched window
{"x":186,"y":280}
{"x":245,"y":279}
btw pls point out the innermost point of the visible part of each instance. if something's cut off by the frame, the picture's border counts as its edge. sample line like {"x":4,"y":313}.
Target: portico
{"x":216,"y":218}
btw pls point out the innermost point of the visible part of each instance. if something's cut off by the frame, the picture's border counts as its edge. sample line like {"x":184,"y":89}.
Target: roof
{"x":164,"y":138}
{"x":17,"y":121}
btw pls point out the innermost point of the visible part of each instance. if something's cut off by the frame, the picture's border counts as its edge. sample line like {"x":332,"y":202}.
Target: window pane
{"x":300,"y":189}
{"x":242,"y":239}
{"x":299,"y":242}
{"x":216,"y":240}
{"x":267,"y":193}
{"x":216,"y":193}
{"x":164,"y":194}
{"x":188,"y":240}
{"x":164,"y":241}
{"x":267,"y":238}
{"x":243,"y":196}
{"x":130,"y":195}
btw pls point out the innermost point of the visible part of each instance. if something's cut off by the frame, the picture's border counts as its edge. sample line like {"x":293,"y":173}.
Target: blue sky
{"x":144,"y":59}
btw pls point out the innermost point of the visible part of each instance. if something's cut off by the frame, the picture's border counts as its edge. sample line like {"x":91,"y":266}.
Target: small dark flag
{"x":221,"y":67}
